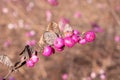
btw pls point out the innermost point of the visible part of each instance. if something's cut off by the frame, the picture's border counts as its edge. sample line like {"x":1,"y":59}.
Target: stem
{"x":117,"y":19}
{"x":10,"y":71}
{"x":115,"y":16}
{"x":13,"y":69}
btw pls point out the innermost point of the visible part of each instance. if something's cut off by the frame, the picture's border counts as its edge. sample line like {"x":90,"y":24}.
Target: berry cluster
{"x":33,"y":59}
{"x":55,"y":38}
{"x":69,"y":40}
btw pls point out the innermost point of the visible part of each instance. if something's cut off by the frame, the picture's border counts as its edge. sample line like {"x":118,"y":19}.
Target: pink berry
{"x":64,"y":20}
{"x":117,"y":38}
{"x":93,"y":75}
{"x":64,"y":76}
{"x":6,"y":43}
{"x":89,"y":36}
{"x":77,"y":15}
{"x":53,"y":2}
{"x":10,"y":78}
{"x":69,"y":42}
{"x":34,"y":58}
{"x":96,"y":27}
{"x":29,"y":63}
{"x":102,"y":76}
{"x":30,"y":33}
{"x":82,"y":41}
{"x":59,"y":43}
{"x":88,"y":78}
{"x":48,"y":15}
{"x":5,"y":10}
{"x":76,"y":32}
{"x":76,"y":38}
{"x":48,"y":50}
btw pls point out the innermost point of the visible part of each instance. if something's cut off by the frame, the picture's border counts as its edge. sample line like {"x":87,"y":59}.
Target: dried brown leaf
{"x":49,"y":37}
{"x":67,"y":28}
{"x":6,"y":60}
{"x":41,"y":42}
{"x":53,"y":27}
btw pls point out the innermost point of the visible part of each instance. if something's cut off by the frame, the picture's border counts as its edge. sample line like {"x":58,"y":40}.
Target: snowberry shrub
{"x":53,"y":39}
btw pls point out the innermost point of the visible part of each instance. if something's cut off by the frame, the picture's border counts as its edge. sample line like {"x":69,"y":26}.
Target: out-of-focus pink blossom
{"x":31,"y":42}
{"x":27,"y":26}
{"x":64,"y":76}
{"x":5,"y":10}
{"x":21,"y":23}
{"x":88,"y":78}
{"x":30,"y":6}
{"x":89,"y":1}
{"x":117,"y":38}
{"x":7,"y":43}
{"x":93,"y":75}
{"x":11,"y":78}
{"x":30,"y":33}
{"x":1,"y":78}
{"x":48,"y":15}
{"x":100,"y":6}
{"x":102,"y":76}
{"x":14,"y":14}
{"x":117,"y":8}
{"x":53,"y":2}
{"x":77,"y":15}
{"x":101,"y":71}
{"x":63,"y":21}
{"x":96,"y":27}
{"x":11,"y":26}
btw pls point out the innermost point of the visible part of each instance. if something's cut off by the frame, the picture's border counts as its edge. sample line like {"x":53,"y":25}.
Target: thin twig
{"x":117,"y":20}
{"x":114,"y":14}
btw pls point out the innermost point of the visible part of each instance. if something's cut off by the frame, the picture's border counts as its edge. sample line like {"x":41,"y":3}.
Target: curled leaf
{"x":53,"y":27}
{"x":27,"y":51}
{"x":67,"y":28}
{"x":41,"y":42}
{"x":49,"y":37}
{"x":6,"y":60}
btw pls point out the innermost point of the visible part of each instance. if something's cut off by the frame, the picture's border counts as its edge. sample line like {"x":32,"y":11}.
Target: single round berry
{"x":89,"y":36}
{"x":29,"y":63}
{"x":93,"y":75}
{"x":69,"y":42}
{"x":76,"y":38}
{"x":102,"y":76}
{"x":82,"y":41}
{"x":53,"y":2}
{"x":117,"y":38}
{"x":59,"y":43}
{"x":64,"y":76}
{"x":34,"y":58}
{"x":48,"y":50}
{"x":76,"y":32}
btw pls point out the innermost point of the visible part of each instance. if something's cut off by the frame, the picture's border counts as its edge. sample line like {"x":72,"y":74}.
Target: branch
{"x":114,"y":14}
